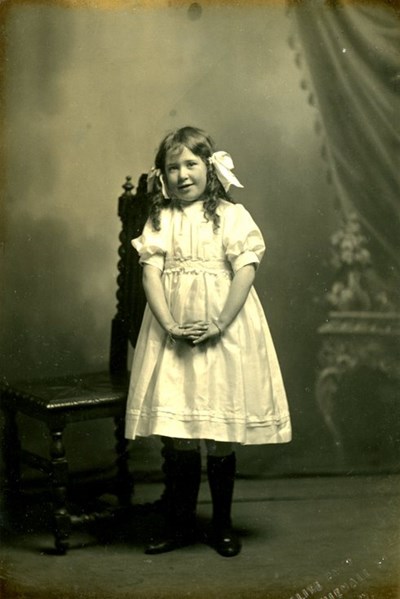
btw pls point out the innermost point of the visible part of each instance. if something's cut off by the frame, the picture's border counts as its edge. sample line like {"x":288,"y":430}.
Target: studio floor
{"x":320,"y":537}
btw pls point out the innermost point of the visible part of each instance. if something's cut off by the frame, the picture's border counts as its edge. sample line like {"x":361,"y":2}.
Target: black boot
{"x":168,"y":452}
{"x":221,"y":477}
{"x":184,"y":475}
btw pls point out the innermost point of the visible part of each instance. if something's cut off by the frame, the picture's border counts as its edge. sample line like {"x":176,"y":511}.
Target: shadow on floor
{"x":321,"y":537}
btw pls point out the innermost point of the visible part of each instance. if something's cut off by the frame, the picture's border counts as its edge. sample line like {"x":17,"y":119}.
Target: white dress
{"x":229,"y":389}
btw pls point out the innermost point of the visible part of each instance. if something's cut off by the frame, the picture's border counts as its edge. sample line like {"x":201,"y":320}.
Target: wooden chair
{"x":61,"y":401}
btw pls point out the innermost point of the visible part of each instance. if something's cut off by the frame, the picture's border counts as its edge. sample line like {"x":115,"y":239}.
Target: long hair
{"x":201,"y":144}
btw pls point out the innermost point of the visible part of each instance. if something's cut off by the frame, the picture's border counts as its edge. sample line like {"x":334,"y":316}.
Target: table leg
{"x":327,"y":385}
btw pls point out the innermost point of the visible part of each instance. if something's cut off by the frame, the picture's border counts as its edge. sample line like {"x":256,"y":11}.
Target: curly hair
{"x":201,"y":144}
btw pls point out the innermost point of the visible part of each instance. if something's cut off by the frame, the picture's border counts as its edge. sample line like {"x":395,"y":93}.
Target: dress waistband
{"x":194,"y":265}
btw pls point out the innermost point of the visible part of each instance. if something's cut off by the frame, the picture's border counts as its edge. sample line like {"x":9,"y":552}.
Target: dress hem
{"x":237,"y":432}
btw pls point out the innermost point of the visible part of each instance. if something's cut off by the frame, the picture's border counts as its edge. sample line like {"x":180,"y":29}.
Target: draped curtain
{"x":350,"y":56}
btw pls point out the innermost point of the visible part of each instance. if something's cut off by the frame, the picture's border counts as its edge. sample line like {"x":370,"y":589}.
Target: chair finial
{"x":128,"y":185}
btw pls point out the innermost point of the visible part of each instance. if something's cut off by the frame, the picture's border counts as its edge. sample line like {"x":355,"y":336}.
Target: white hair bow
{"x":154,"y":174}
{"x":223,"y":165}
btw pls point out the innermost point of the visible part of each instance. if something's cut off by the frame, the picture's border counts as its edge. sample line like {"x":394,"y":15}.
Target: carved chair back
{"x":133,"y":212}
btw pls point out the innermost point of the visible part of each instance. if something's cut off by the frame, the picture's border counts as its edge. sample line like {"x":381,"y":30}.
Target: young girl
{"x":205,"y":367}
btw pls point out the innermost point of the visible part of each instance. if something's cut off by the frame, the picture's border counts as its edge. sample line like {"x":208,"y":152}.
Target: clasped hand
{"x":195,"y":332}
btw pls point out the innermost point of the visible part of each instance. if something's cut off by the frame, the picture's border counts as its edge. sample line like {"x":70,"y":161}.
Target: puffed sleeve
{"x":150,"y":246}
{"x":243,"y":241}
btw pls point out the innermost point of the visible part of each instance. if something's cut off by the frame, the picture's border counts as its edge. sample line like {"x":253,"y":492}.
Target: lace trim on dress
{"x":197,"y":266}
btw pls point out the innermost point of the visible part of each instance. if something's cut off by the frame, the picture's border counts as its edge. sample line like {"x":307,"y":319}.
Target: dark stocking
{"x":221,"y":477}
{"x":183,"y":473}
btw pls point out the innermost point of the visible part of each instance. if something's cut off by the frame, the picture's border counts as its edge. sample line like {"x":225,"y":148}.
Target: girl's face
{"x":186,"y":175}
